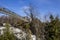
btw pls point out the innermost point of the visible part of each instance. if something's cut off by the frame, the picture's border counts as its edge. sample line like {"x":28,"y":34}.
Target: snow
{"x":17,"y":32}
{"x":34,"y":37}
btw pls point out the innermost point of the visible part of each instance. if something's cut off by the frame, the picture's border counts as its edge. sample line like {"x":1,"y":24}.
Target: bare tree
{"x":34,"y":21}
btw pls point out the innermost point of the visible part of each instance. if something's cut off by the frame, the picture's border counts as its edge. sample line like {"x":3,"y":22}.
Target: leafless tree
{"x":34,"y":22}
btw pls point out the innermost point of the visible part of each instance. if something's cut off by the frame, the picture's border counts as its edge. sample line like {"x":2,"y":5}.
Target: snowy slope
{"x":17,"y":32}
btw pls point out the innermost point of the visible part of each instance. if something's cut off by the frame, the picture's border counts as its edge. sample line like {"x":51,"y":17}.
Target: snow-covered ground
{"x":17,"y":32}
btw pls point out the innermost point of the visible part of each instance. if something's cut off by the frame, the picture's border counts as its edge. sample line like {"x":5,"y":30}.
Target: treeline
{"x":52,"y":28}
{"x":11,"y":20}
{"x":48,"y":30}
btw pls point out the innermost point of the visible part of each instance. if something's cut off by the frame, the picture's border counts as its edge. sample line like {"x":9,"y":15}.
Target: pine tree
{"x":52,"y":29}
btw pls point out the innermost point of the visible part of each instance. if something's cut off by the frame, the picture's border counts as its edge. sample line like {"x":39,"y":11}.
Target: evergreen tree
{"x":49,"y":29}
{"x":52,"y":29}
{"x":8,"y":35}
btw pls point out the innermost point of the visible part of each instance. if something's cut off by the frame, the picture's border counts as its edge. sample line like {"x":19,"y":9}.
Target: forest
{"x":47,"y":30}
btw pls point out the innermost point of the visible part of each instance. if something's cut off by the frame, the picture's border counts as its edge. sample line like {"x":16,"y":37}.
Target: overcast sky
{"x":43,"y":6}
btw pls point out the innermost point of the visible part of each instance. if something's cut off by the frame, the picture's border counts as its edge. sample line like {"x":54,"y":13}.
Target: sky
{"x":42,"y":6}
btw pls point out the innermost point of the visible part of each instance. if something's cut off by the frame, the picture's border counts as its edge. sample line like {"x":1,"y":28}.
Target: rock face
{"x":18,"y":33}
